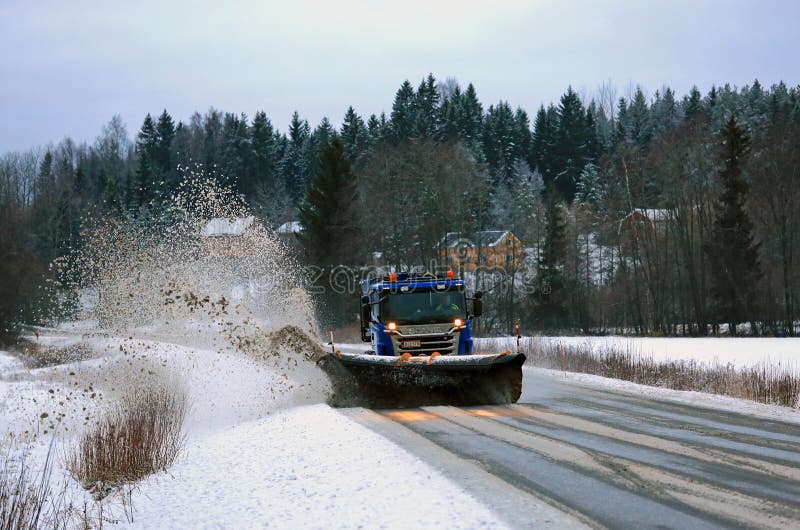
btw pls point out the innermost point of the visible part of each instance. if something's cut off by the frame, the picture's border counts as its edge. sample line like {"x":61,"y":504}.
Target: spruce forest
{"x":652,"y":213}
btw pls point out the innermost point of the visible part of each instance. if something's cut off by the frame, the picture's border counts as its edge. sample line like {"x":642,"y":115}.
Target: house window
{"x":482,"y":260}
{"x":509,"y":258}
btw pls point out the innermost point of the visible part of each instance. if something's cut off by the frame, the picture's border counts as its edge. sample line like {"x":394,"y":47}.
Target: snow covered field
{"x":739,"y":351}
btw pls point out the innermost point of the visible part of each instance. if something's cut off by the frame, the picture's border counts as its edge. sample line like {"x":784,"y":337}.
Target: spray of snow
{"x":205,"y":297}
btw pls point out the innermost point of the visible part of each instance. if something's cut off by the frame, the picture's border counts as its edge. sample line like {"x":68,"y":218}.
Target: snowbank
{"x":261,"y":447}
{"x":697,"y":399}
{"x":745,"y":351}
{"x":308,"y":467}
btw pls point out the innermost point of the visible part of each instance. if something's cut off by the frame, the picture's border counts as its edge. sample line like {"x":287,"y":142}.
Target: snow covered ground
{"x":697,"y":399}
{"x":305,"y":467}
{"x":262,"y":447}
{"x":741,"y":352}
{"x":264,"y":450}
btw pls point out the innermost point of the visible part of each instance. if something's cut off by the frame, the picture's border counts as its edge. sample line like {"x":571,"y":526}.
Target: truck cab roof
{"x":411,"y":281}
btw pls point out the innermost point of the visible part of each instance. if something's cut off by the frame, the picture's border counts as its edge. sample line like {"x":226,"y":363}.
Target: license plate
{"x":410,"y":344}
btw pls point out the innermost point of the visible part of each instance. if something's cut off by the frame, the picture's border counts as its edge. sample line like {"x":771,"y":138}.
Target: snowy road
{"x":608,"y":458}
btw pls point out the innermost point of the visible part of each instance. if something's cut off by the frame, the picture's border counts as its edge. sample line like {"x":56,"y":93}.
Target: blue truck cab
{"x":420,"y":314}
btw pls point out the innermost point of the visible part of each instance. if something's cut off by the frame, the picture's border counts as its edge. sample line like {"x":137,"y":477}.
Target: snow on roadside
{"x":741,"y":351}
{"x":306,"y":467}
{"x":257,"y":452}
{"x":697,"y":399}
{"x":8,"y":363}
{"x":223,"y":388}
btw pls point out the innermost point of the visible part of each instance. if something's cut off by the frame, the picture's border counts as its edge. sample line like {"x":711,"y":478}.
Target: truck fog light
{"x":391,"y":326}
{"x":457,"y":322}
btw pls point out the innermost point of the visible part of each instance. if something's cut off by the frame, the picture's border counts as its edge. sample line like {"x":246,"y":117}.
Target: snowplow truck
{"x":419,"y":327}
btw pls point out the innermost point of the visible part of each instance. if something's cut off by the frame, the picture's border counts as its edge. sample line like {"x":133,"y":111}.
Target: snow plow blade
{"x":396,"y":382}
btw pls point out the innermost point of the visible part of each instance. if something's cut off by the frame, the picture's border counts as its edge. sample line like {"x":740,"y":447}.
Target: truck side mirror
{"x":366,"y":315}
{"x":477,"y":304}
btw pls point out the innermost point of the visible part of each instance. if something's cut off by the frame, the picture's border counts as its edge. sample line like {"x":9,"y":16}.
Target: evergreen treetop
{"x":329,"y":214}
{"x":733,"y":252}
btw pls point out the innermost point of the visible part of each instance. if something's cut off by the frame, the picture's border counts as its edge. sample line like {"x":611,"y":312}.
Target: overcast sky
{"x":66,"y":67}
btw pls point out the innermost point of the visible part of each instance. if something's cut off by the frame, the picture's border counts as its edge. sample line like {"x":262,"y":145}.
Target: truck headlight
{"x":391,"y":326}
{"x":458,"y":323}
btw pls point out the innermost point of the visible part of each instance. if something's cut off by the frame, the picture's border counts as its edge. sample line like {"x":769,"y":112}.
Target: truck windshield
{"x":423,"y":307}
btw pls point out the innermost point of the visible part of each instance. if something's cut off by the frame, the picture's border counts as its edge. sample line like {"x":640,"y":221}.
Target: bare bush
{"x":36,"y":355}
{"x":763,"y":383}
{"x":25,"y":498}
{"x":141,"y":436}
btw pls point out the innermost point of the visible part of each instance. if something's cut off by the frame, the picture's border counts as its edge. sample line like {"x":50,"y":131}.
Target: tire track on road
{"x":615,"y":459}
{"x":672,"y":488}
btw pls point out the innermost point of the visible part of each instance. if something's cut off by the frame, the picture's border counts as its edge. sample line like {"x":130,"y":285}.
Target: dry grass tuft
{"x":25,"y":499}
{"x":141,"y":436}
{"x":763,"y":383}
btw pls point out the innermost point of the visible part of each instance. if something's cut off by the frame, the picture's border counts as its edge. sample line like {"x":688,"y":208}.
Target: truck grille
{"x":425,"y":330}
{"x":445,"y":344}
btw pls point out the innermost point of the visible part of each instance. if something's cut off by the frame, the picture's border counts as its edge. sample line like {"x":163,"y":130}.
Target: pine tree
{"x":235,"y":162}
{"x":355,"y":136}
{"x":147,"y":149}
{"x":622,"y":132}
{"x":501,"y":137}
{"x":165,"y":131}
{"x":693,"y":104}
{"x":589,"y":190}
{"x":550,"y":295}
{"x":212,"y":140}
{"x":329,"y":215}
{"x":514,"y":202}
{"x":404,"y":112}
{"x":603,"y":128}
{"x":295,"y":163}
{"x":471,"y":116}
{"x":569,"y":146}
{"x":448,"y":115}
{"x":592,"y":144}
{"x":378,"y":128}
{"x":318,"y":141}
{"x":46,"y":181}
{"x":264,"y":157}
{"x":523,"y":138}
{"x":640,"y":127}
{"x":427,"y":109}
{"x":779,"y":103}
{"x":732,"y":251}
{"x":182,"y":146}
{"x":664,"y":113}
{"x":543,"y":134}
{"x":373,"y":128}
{"x":711,"y":99}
